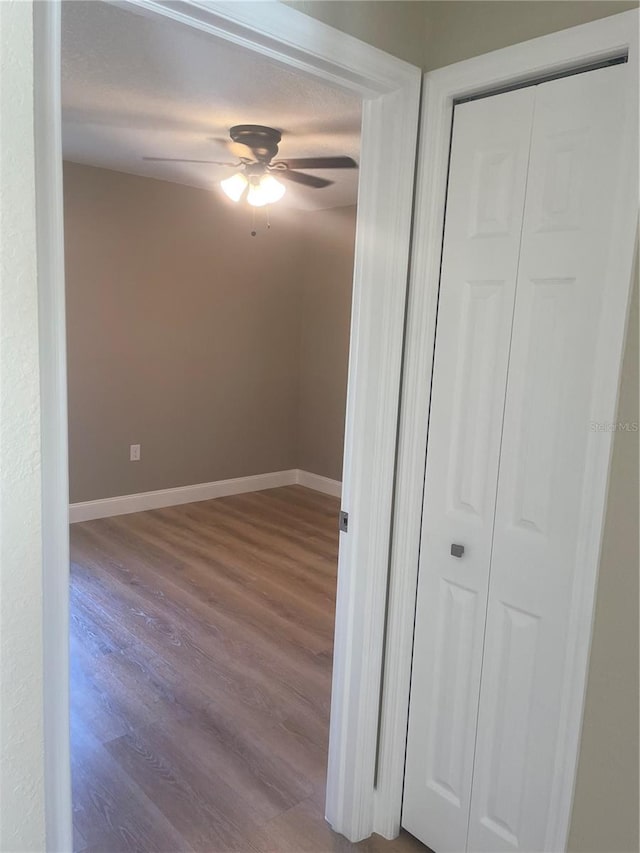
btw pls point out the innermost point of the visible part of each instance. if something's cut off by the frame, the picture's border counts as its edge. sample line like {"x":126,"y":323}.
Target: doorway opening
{"x":390,"y":90}
{"x":207,"y":359}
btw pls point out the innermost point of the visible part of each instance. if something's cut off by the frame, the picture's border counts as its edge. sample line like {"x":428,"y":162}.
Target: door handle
{"x":457,"y":550}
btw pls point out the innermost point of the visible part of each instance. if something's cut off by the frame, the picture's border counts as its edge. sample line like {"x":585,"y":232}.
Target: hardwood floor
{"x":201,"y":644}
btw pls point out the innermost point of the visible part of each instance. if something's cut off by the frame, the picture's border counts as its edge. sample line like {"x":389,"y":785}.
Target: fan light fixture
{"x":262,"y":189}
{"x":267,"y":191}
{"x":255,"y":149}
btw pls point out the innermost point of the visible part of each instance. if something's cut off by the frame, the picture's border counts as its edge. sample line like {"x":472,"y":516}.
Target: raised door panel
{"x":490,"y":149}
{"x":575,"y":174}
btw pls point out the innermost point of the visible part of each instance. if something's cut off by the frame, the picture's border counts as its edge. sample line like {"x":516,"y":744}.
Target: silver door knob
{"x":457,"y":550}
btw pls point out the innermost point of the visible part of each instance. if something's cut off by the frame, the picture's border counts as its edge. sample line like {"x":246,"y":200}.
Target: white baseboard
{"x":181,"y":495}
{"x":124,"y":504}
{"x":320,"y":484}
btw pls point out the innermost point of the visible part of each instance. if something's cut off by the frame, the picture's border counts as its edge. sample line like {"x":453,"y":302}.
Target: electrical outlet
{"x":134,"y":453}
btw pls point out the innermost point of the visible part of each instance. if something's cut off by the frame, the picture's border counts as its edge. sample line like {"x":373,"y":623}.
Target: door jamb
{"x":562,"y":51}
{"x":390,"y":89}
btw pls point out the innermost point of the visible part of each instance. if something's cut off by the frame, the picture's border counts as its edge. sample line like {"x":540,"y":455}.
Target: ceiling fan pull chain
{"x":253,"y":222}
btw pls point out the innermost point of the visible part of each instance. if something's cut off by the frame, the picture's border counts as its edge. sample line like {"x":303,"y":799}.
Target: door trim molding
{"x":390,"y":89}
{"x":558,"y":52}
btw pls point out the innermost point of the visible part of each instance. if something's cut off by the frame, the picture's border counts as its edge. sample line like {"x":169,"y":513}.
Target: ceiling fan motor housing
{"x":262,"y":140}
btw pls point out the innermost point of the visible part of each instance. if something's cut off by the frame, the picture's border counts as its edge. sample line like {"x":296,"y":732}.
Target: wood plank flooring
{"x":201,"y":649}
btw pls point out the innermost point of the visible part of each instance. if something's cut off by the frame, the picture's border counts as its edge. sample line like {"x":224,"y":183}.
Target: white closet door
{"x":485,"y":201}
{"x":575,"y":175}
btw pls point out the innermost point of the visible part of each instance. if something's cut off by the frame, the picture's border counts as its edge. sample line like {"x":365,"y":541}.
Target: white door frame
{"x":572,"y":48}
{"x":390,"y":89}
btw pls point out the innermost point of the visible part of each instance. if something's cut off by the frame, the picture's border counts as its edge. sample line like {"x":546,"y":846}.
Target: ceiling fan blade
{"x":239,"y":149}
{"x":320,"y":163}
{"x":305,"y":180}
{"x":183,"y":160}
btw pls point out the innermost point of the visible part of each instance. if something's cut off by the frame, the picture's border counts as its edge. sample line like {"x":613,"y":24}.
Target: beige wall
{"x":219,"y":353}
{"x":325,"y":315}
{"x":397,"y":26}
{"x":433,"y":33}
{"x":458,"y":29}
{"x":21,"y":664}
{"x":182,"y":336}
{"x":605,"y":814}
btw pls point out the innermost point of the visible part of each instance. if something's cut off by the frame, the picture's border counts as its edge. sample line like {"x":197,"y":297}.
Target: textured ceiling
{"x":134,"y":86}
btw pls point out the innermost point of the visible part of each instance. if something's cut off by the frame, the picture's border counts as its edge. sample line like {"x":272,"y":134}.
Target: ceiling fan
{"x":256,"y":146}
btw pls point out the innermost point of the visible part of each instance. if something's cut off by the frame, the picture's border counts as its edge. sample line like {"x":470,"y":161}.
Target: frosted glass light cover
{"x":272,"y":189}
{"x":234,"y":186}
{"x":268,"y":191}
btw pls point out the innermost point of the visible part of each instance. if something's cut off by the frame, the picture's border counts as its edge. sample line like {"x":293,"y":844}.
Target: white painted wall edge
{"x":124,"y":504}
{"x":47,"y":66}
